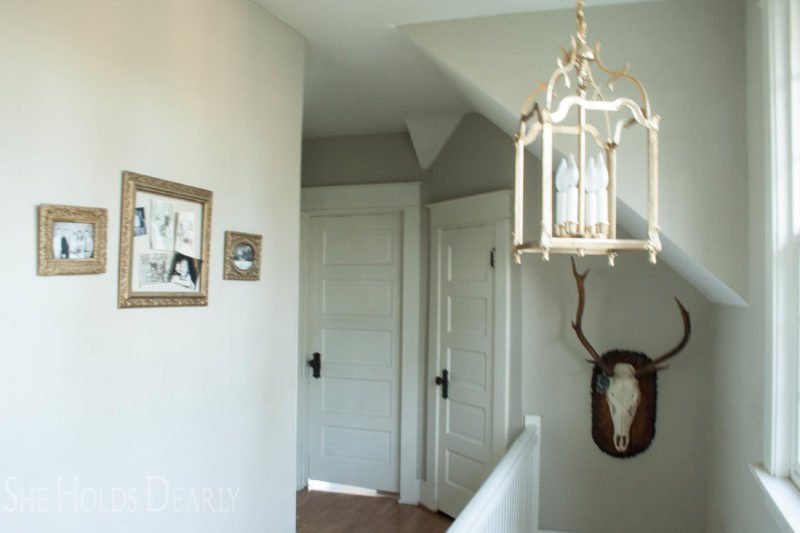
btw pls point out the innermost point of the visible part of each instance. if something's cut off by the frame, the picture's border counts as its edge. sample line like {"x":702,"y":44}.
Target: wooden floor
{"x":327,"y":512}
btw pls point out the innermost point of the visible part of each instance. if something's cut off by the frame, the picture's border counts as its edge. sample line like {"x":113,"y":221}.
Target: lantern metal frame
{"x":547,"y":119}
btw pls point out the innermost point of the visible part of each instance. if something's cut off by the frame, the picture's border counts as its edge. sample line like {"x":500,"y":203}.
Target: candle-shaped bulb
{"x":591,"y":185}
{"x":602,"y":191}
{"x":572,"y":205}
{"x":561,"y":192}
{"x":561,"y":176}
{"x":572,"y":176}
{"x":592,"y":179}
{"x":602,"y":171}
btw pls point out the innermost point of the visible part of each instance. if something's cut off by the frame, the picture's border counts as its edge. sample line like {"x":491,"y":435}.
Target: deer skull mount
{"x":624,"y":388}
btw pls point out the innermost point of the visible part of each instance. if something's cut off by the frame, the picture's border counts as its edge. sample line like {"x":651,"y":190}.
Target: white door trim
{"x":403,"y":198}
{"x":494,"y":207}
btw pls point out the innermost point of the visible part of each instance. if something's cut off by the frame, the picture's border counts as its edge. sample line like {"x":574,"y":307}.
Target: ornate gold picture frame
{"x":72,"y":240}
{"x":165,"y":232}
{"x":242,"y":256}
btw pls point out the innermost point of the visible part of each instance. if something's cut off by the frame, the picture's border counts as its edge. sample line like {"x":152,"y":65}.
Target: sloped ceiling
{"x":363,"y":77}
{"x":703,"y":186}
{"x":380,"y":67}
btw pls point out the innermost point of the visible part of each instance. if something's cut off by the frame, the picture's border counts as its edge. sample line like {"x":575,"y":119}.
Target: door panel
{"x":465,"y":349}
{"x":356,"y":346}
{"x":353,"y":317}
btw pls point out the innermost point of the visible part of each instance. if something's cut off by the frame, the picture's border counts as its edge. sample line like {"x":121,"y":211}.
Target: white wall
{"x":688,"y":54}
{"x":204,"y":92}
{"x":736,"y":503}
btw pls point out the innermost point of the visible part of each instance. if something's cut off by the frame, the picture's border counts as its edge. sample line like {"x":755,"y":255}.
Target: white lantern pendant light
{"x":588,"y":187}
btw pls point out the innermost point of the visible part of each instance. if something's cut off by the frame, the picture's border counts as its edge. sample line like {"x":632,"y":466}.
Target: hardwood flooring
{"x":327,"y":512}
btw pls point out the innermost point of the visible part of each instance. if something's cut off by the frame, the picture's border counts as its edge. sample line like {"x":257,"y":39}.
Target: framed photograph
{"x":72,"y":240}
{"x":242,"y":256}
{"x":164,"y":243}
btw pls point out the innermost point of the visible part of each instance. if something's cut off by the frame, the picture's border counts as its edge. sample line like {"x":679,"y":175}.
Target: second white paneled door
{"x":466,"y":350}
{"x":472,"y":394}
{"x":353,"y":312}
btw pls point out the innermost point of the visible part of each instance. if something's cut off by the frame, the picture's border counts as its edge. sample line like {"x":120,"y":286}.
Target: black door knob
{"x":444,"y":382}
{"x":316,"y":365}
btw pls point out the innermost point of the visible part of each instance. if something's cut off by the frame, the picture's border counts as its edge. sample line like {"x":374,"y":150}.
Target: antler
{"x":576,"y":325}
{"x":655,"y":365}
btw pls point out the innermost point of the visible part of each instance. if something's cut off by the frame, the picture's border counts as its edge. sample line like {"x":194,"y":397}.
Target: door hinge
{"x":491,"y":258}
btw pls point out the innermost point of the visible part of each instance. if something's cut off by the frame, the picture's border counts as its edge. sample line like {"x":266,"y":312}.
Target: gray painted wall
{"x":630,"y":306}
{"x":477,"y":158}
{"x":359,"y":159}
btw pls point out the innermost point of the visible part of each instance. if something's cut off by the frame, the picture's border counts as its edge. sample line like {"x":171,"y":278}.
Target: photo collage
{"x":173,"y":253}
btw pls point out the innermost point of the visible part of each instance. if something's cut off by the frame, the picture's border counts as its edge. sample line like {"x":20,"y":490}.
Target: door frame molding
{"x":402,"y":198}
{"x":488,"y":208}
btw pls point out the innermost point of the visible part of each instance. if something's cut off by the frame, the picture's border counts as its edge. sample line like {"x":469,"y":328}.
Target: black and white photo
{"x":185,"y":234}
{"x":185,"y":271}
{"x":243,"y":256}
{"x":139,"y":222}
{"x":155,"y":268}
{"x":162,"y":225}
{"x":72,"y":240}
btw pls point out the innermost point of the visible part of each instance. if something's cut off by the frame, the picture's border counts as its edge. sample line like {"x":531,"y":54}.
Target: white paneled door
{"x":465,"y":351}
{"x":353,"y":315}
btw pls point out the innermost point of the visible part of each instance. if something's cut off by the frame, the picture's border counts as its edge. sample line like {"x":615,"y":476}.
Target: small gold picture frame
{"x":72,"y":240}
{"x":165,"y":229}
{"x":242,"y":256}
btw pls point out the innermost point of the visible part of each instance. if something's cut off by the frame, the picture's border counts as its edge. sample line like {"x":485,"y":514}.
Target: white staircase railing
{"x":508,"y":501}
